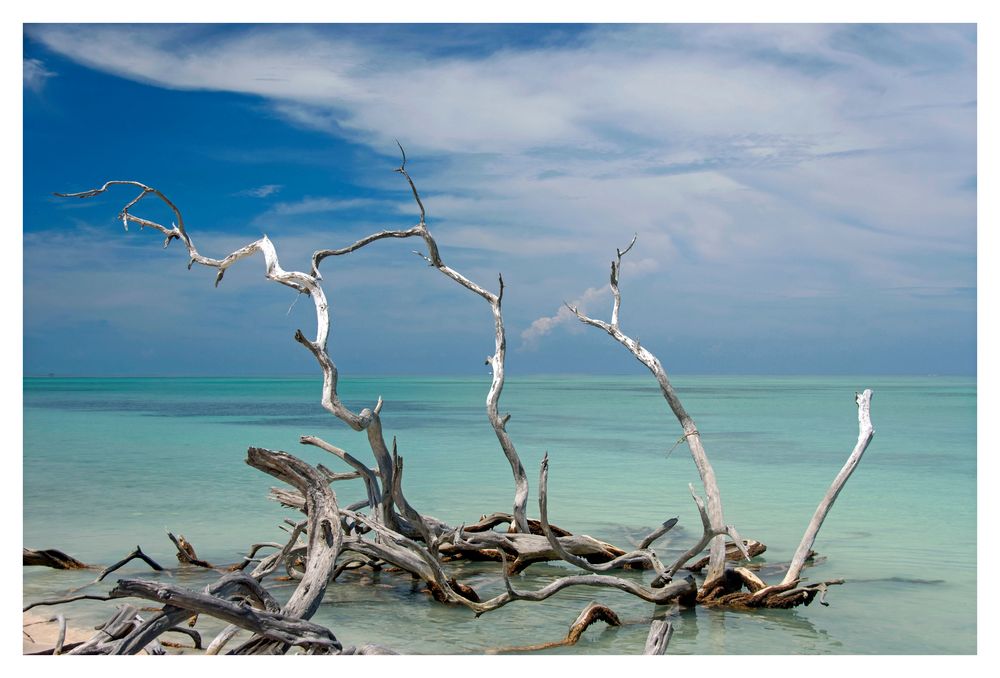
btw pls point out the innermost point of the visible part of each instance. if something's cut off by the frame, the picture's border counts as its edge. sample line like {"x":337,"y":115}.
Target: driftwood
{"x":60,"y":601}
{"x":659,"y":637}
{"x":135,"y":554}
{"x":51,"y":558}
{"x":284,"y":629}
{"x":591,"y":614}
{"x":185,"y":552}
{"x":727,"y":591}
{"x":385,"y":532}
{"x":752,"y":547}
{"x":115,"y":631}
{"x":691,"y":434}
{"x":496,"y":361}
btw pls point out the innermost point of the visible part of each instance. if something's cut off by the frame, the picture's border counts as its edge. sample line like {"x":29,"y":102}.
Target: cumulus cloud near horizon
{"x":546,"y":324}
{"x":540,"y":327}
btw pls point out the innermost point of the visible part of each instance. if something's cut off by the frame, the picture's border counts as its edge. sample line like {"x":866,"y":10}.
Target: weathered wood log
{"x":659,"y":637}
{"x":709,"y":532}
{"x":136,"y":553}
{"x":185,"y":552}
{"x":276,"y":627}
{"x":593,"y":613}
{"x":60,"y":638}
{"x":641,"y":558}
{"x":408,"y":555}
{"x":51,"y":558}
{"x":752,"y":547}
{"x":250,"y":557}
{"x":691,"y":434}
{"x":657,"y":533}
{"x":233,"y":585}
{"x":117,"y":627}
{"x":324,"y":534}
{"x":190,"y":633}
{"x":221,"y":640}
{"x":324,"y":540}
{"x":684,"y":592}
{"x":370,"y":477}
{"x":369,"y":649}
{"x":488,"y":522}
{"x":527,"y":549}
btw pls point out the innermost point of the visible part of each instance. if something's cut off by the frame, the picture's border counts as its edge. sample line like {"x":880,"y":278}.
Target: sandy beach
{"x":40,"y":634}
{"x":41,"y":631}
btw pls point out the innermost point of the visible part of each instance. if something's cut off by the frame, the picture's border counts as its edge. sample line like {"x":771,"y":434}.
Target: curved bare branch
{"x":865,"y":433}
{"x":644,"y":556}
{"x":717,"y":556}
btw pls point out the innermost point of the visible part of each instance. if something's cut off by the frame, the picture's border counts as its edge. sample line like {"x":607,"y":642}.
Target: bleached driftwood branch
{"x":691,"y":435}
{"x":865,"y":433}
{"x":642,"y":558}
{"x":300,"y":282}
{"x":496,"y":361}
{"x":282,"y":629}
{"x":397,"y":534}
{"x":659,"y":637}
{"x":788,"y":593}
{"x":310,"y":283}
{"x":709,"y":532}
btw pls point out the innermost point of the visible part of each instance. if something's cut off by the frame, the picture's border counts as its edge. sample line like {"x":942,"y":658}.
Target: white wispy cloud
{"x":260,"y":191}
{"x":584,"y":303}
{"x":318,"y":205}
{"x":544,"y":325}
{"x":751,"y":160}
{"x":35,"y":74}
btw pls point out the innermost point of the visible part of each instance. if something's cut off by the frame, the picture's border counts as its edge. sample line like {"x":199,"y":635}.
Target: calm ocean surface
{"x":111,"y":463}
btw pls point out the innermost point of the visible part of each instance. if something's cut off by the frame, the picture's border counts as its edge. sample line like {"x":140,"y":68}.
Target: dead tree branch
{"x":691,"y":434}
{"x":496,"y":361}
{"x":282,"y":628}
{"x":51,"y":558}
{"x":593,"y":613}
{"x":185,"y":552}
{"x":659,"y":637}
{"x":136,"y":553}
{"x":865,"y":433}
{"x":642,"y":558}
{"x":787,"y":593}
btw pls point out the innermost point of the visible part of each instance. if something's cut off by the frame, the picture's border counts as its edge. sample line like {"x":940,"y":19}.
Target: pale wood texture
{"x":385,"y":532}
{"x":691,"y":434}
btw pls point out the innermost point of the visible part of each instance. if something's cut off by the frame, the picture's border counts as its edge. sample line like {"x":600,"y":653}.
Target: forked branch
{"x":691,"y":434}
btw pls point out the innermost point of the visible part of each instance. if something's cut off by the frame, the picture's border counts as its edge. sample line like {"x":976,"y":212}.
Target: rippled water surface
{"x":111,"y":463}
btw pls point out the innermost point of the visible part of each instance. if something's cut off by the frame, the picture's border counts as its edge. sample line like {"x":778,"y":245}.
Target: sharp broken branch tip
{"x":630,"y":245}
{"x":402,"y":167}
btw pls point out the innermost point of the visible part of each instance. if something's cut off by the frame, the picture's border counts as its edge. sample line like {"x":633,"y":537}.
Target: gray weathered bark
{"x":691,"y":434}
{"x":865,"y":433}
{"x":659,"y":637}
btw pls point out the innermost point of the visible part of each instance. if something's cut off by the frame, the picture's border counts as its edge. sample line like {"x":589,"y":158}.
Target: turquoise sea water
{"x":111,"y":463}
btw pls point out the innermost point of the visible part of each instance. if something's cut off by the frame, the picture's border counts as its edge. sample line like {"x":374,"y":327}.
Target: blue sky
{"x":804,"y":196}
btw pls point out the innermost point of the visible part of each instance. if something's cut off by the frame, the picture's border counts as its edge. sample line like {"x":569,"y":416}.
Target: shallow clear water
{"x":109,"y":463}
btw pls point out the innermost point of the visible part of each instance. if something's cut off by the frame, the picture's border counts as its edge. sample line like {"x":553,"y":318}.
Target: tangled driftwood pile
{"x":384,"y":531}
